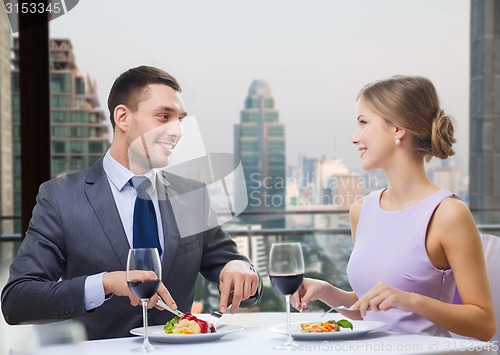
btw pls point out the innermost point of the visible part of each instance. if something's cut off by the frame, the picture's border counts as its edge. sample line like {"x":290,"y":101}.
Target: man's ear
{"x":120,"y":115}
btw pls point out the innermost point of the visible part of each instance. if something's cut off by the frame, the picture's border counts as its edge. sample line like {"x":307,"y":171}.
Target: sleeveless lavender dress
{"x":390,"y":247}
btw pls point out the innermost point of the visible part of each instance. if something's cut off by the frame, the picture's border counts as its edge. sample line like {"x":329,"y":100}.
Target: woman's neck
{"x":408,"y":183}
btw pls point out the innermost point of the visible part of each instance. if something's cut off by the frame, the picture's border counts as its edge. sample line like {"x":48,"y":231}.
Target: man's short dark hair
{"x":131,"y":87}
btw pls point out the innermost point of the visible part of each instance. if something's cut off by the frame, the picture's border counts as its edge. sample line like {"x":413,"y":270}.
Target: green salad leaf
{"x":169,"y":326}
{"x":344,"y":323}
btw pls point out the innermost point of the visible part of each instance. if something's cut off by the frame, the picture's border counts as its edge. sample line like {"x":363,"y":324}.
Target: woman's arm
{"x":454,"y":227}
{"x":332,"y":296}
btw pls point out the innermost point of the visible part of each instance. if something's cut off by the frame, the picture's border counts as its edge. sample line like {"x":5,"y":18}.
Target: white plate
{"x":360,"y":327}
{"x":156,"y":333}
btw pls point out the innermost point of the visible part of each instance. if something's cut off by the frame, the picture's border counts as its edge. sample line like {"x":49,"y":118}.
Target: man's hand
{"x":238,"y":278}
{"x":116,"y":283}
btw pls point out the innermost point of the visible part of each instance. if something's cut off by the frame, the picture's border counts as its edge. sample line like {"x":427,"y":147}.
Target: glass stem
{"x":288,"y":323}
{"x":146,"y":343}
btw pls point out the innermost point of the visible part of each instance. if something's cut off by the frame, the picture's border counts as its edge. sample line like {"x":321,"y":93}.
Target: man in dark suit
{"x":71,"y":263}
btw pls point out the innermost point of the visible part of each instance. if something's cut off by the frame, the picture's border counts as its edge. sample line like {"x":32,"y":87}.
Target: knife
{"x":163,"y":305}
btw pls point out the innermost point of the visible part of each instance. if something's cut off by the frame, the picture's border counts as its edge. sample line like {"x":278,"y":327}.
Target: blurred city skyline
{"x":314,"y":55}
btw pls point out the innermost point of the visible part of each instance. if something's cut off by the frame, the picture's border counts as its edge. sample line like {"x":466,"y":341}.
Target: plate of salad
{"x":189,"y":329}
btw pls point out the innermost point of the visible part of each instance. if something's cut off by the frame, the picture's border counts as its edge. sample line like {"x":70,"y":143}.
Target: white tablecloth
{"x":257,"y":338}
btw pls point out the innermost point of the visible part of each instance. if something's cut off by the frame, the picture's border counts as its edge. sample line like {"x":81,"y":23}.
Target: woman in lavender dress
{"x":414,"y":243}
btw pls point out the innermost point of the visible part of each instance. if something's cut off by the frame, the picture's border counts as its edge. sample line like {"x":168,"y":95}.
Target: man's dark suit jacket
{"x":76,"y":231}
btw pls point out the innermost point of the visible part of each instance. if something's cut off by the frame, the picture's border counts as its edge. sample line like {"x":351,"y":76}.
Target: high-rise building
{"x":260,"y":144}
{"x":6,"y":202}
{"x":309,"y":169}
{"x":79,"y":134}
{"x":254,"y":249}
{"x":445,"y":174}
{"x":337,"y":185}
{"x":484,"y":158}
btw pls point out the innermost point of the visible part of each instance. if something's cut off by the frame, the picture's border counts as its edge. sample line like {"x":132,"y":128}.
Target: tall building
{"x":327,"y":181}
{"x":324,"y":182}
{"x":260,"y":144}
{"x":79,"y":134}
{"x":445,"y":174}
{"x":309,"y":169}
{"x":254,"y":249}
{"x":6,"y":203}
{"x":484,"y":163}
{"x":6,"y":206}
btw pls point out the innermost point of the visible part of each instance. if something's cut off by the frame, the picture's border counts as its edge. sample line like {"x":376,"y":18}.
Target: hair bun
{"x":442,"y":135}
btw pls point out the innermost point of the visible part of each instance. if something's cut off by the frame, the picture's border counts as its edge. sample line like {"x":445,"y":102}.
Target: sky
{"x":315,"y":55}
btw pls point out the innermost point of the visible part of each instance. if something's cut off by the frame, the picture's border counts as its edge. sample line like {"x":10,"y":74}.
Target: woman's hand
{"x":383,"y":297}
{"x":311,"y":290}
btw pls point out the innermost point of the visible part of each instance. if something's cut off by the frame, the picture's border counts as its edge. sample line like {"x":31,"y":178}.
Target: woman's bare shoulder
{"x":453,"y":218}
{"x":452,"y":210}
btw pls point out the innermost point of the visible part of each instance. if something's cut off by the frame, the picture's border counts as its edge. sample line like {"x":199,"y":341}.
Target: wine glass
{"x":286,"y":271}
{"x":143,"y":279}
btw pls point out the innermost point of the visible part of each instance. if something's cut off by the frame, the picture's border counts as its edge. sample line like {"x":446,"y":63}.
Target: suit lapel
{"x":170,"y":232}
{"x":101,"y":199}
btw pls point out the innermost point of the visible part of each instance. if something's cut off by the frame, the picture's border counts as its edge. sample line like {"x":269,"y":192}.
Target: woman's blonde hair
{"x":411,"y":103}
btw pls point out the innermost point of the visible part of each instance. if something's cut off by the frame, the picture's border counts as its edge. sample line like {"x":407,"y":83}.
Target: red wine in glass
{"x":144,"y":289}
{"x":286,"y":284}
{"x":286,"y":271}
{"x":143,"y":279}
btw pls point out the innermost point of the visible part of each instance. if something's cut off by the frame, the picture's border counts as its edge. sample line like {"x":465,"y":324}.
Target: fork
{"x":338,"y":308}
{"x":215,"y":316}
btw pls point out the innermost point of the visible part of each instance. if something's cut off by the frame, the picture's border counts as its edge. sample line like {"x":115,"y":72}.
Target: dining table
{"x":260,"y":332}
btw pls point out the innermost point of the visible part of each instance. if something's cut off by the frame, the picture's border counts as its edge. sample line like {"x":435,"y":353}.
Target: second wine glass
{"x":143,"y":279}
{"x":286,"y":271}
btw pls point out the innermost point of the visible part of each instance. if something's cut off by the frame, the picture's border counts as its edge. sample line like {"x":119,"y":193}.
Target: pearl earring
{"x":398,"y":141}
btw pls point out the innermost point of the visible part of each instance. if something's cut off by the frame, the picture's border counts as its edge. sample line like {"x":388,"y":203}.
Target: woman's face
{"x":374,"y":136}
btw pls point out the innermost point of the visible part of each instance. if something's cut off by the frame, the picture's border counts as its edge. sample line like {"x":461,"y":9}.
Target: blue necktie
{"x":145,"y":229}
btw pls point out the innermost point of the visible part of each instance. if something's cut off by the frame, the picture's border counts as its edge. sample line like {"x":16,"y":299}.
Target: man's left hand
{"x":239,"y":278}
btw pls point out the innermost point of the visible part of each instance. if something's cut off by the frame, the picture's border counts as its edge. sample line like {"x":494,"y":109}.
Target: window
{"x":16,"y":101}
{"x":276,"y":131}
{"x":269,"y":102}
{"x":79,"y":86}
{"x":77,"y":163}
{"x":77,"y":147}
{"x":62,"y":101}
{"x":15,"y":82}
{"x":96,"y":147}
{"x":60,"y":131}
{"x":59,"y":116}
{"x":60,"y":83}
{"x":79,"y":116}
{"x":58,"y":147}
{"x":58,"y":165}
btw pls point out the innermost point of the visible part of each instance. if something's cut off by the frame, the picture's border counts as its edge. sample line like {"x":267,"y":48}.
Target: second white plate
{"x":360,"y":328}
